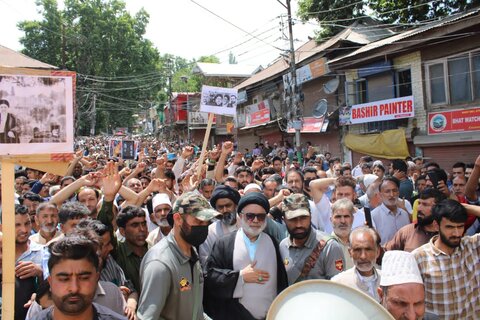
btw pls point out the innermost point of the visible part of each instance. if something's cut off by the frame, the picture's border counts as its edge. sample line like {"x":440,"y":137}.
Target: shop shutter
{"x":446,"y":156}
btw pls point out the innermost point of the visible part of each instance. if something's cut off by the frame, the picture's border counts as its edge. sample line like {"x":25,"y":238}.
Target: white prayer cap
{"x":160,"y":198}
{"x":368,"y":179}
{"x":399,"y":267}
{"x":252,"y":187}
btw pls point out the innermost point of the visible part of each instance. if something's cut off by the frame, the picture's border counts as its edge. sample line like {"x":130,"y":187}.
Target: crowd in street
{"x":168,"y":236}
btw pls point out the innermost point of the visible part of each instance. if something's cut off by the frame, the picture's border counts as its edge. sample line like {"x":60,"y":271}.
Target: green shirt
{"x":130,"y":263}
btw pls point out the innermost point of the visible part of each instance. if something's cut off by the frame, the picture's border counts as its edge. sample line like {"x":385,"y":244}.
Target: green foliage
{"x":332,"y":15}
{"x":209,"y":59}
{"x":411,"y":11}
{"x":104,"y":44}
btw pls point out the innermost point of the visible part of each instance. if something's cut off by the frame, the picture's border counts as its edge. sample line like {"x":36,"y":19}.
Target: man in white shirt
{"x":389,"y":217}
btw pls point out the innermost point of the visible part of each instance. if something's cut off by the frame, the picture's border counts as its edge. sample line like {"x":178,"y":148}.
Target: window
{"x":437,"y":83}
{"x":356,"y":92}
{"x":403,"y":83}
{"x":460,"y":84}
{"x":454,"y":79}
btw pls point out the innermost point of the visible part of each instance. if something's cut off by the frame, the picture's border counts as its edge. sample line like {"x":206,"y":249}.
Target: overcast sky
{"x":183,"y":28}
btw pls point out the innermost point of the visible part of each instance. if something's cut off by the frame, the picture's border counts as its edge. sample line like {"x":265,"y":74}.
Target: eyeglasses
{"x":251,"y":216}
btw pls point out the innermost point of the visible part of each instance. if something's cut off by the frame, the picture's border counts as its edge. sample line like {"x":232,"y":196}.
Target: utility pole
{"x":94,"y":115}
{"x":170,"y":105}
{"x":296,"y":115}
{"x":185,"y":80}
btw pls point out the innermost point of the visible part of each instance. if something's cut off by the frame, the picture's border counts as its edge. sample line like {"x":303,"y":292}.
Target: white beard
{"x":162,"y":222}
{"x":249,"y":231}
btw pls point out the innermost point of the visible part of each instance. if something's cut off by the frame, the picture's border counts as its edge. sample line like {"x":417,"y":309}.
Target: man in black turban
{"x":225,"y":200}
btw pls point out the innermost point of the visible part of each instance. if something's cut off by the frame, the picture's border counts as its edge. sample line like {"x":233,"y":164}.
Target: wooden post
{"x":8,"y":243}
{"x":205,"y":143}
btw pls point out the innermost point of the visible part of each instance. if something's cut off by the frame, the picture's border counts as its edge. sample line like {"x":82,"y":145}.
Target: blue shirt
{"x":251,"y":246}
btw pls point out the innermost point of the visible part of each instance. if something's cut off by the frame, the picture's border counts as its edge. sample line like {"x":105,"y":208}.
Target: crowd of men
{"x":163,"y":237}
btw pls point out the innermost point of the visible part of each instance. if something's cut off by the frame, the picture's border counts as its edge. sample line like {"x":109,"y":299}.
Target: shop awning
{"x":260,"y":125}
{"x":390,"y":144}
{"x":312,"y":125}
{"x":447,"y":139}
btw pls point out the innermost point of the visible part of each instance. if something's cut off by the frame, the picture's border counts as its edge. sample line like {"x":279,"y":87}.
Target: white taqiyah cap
{"x":252,"y":187}
{"x":160,"y":198}
{"x":399,"y":267}
{"x":368,"y":179}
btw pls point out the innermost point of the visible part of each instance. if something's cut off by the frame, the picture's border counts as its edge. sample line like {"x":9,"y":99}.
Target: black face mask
{"x":196,"y":236}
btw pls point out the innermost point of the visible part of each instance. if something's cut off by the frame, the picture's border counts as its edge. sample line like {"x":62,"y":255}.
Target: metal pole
{"x":293,"y":97}
{"x":94,"y":116}
{"x":188,"y":120}
{"x":171,"y":106}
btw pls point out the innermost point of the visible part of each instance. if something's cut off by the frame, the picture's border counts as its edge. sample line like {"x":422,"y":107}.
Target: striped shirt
{"x":111,"y":272}
{"x":451,"y":281}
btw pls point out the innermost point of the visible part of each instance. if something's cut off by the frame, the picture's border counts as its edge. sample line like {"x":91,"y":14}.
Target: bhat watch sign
{"x":462,"y":120}
{"x":219,"y":100}
{"x":382,"y":110}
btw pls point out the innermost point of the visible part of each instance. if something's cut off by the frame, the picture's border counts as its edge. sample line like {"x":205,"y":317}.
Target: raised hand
{"x":227,"y":147}
{"x":158,"y":185}
{"x":48,"y":178}
{"x":238,"y":158}
{"x":140,"y":167}
{"x":187,"y":152}
{"x":111,"y":181}
{"x":257,"y":164}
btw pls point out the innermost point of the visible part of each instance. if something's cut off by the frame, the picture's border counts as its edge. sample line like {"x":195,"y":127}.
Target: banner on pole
{"x":36,"y":114}
{"x":219,"y":100}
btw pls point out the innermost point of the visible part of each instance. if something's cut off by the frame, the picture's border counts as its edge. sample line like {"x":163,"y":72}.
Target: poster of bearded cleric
{"x":36,"y":114}
{"x":219,"y":100}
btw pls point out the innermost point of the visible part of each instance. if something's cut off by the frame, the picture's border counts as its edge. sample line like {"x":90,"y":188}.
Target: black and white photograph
{"x":36,"y":111}
{"x":219,"y":100}
{"x":128,"y":150}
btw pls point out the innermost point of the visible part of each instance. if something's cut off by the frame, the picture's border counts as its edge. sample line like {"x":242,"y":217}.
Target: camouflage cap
{"x":195,"y":204}
{"x":296,"y":205}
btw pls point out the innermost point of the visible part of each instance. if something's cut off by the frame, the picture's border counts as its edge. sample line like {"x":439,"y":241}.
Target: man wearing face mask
{"x":171,"y":275}
{"x":244,"y":270}
{"x":225,"y":200}
{"x":161,"y":208}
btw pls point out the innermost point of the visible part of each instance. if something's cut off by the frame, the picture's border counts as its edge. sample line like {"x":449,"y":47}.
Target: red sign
{"x":462,"y":120}
{"x":310,"y":125}
{"x":262,"y":116}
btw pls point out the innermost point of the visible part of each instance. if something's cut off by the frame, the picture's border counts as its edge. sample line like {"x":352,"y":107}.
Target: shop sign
{"x":462,"y":120}
{"x":383,"y":110}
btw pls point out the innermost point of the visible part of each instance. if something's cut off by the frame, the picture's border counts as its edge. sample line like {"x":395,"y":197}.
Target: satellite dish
{"x":331,"y":86}
{"x":320,"y":108}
